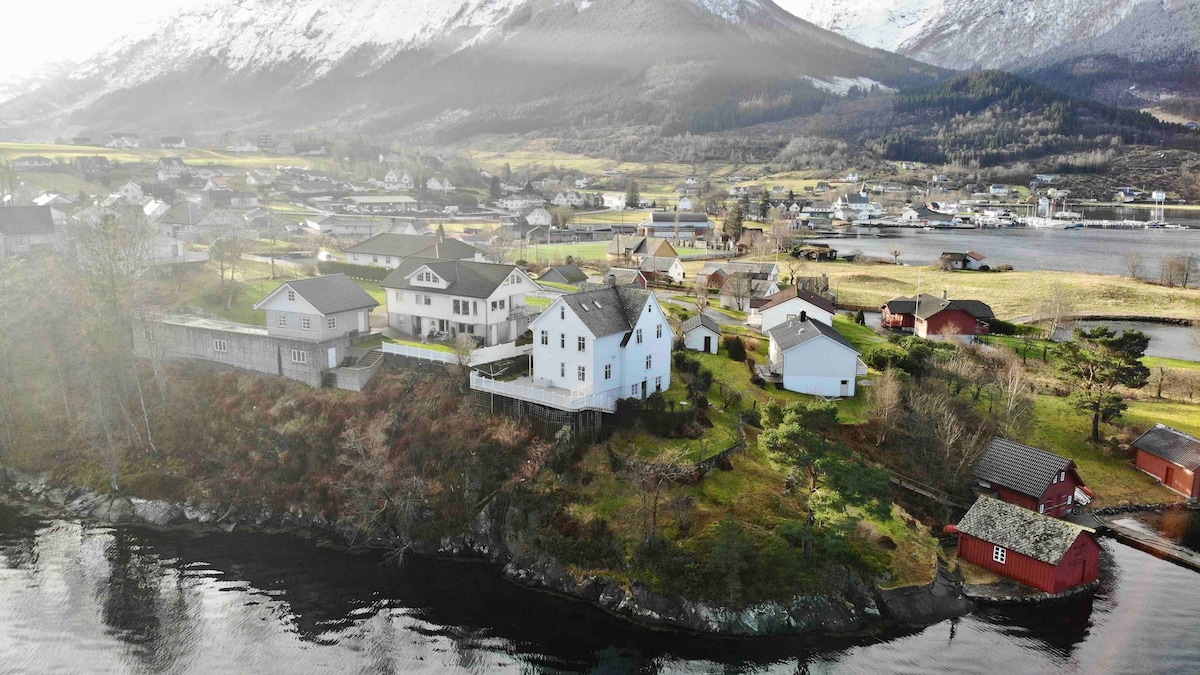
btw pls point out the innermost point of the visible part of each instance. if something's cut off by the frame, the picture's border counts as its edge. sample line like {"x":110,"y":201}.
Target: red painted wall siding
{"x":1183,"y":482}
{"x":1085,"y":553}
{"x":1017,"y":498}
{"x":1056,"y":495}
{"x":934,"y":325}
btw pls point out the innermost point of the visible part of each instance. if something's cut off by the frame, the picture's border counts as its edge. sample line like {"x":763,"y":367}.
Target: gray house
{"x":23,"y":228}
{"x":564,"y":274}
{"x":318,"y":309}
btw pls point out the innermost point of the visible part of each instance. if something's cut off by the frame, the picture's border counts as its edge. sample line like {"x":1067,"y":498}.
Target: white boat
{"x":1068,"y":215}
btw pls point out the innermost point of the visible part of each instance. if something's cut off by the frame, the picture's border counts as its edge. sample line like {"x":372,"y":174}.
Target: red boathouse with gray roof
{"x":1031,"y":478}
{"x":1046,"y":553}
{"x":1172,"y":457}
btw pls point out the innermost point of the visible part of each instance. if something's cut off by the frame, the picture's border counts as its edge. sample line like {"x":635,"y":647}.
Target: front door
{"x":363,"y":322}
{"x":644,"y":388}
{"x":845,"y":387}
{"x":416,"y":325}
{"x":1169,"y":476}
{"x":708,"y":343}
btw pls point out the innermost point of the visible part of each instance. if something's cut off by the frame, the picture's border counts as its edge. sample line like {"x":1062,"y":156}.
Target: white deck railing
{"x":480,"y":356}
{"x":570,"y":402}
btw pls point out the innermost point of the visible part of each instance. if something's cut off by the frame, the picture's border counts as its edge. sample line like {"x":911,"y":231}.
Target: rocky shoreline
{"x":852,"y":606}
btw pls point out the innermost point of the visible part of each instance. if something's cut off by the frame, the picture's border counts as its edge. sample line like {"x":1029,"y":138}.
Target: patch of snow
{"x":841,"y":86}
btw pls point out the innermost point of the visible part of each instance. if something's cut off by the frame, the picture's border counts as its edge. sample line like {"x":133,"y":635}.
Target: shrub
{"x":860,"y":318}
{"x":882,"y":358}
{"x":735,"y":347}
{"x":353,"y":271}
{"x":999,"y":327}
{"x":752,"y":344}
{"x":1004,"y":267}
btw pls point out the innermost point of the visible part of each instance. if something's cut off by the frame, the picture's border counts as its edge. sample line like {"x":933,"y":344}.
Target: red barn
{"x":1172,"y":457}
{"x":1048,"y":554}
{"x":1034,"y":479}
{"x":929,"y":316}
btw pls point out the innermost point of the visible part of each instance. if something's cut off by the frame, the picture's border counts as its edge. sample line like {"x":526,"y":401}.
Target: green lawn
{"x":1059,"y":428}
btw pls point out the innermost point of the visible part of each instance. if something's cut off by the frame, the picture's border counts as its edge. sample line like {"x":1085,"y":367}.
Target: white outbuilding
{"x":701,"y":334}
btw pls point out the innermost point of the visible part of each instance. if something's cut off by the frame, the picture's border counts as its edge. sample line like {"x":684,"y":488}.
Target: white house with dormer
{"x":602,"y":345}
{"x":318,"y":309}
{"x":442,"y":299}
{"x":131,"y":192}
{"x":436,"y":184}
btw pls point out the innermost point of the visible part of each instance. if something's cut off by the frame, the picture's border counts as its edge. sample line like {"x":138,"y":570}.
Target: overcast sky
{"x":37,"y":32}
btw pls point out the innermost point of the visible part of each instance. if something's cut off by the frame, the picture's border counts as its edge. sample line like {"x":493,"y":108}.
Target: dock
{"x":1127,"y":530}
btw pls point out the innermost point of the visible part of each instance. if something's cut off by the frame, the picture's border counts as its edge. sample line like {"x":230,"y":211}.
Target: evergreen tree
{"x":632,"y":197}
{"x":494,"y":192}
{"x":733,"y":223}
{"x":1098,"y":361}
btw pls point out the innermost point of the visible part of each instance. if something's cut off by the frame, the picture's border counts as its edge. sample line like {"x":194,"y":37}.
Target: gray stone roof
{"x":467,"y":278}
{"x":1020,"y":468}
{"x":635,"y":245}
{"x":332,"y":294}
{"x":1019,"y":529}
{"x":698,"y":321}
{"x":791,"y":292}
{"x":654,"y":264}
{"x":1172,"y":445}
{"x":796,"y":332}
{"x":409,"y":245}
{"x":608,"y":311}
{"x":24,"y":220}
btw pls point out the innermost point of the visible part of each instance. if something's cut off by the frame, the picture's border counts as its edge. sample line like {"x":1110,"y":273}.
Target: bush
{"x":353,"y":271}
{"x":735,"y":347}
{"x":1004,"y":267}
{"x":860,"y":318}
{"x":999,"y":327}
{"x":883,"y":358}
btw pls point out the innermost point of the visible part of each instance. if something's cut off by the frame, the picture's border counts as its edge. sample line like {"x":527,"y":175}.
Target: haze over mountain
{"x":1093,"y":48}
{"x":440,"y":69}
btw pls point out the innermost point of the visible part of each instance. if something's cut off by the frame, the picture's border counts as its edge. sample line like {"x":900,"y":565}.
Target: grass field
{"x":557,"y":253}
{"x":1011,"y":294}
{"x":194,"y":156}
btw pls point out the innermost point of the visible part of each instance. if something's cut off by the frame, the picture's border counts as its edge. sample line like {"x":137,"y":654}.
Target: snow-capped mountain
{"x":1096,"y":48}
{"x":471,"y":64}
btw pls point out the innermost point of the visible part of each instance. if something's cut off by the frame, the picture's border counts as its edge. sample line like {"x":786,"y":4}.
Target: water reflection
{"x":83,"y":597}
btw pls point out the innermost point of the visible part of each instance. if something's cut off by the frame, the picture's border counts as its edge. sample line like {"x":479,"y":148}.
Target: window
{"x":562,"y":312}
{"x":649,"y":361}
{"x":658,"y":383}
{"x":659,"y":330}
{"x":305,"y":323}
{"x":388,"y":260}
{"x":582,"y":343}
{"x":375,"y":259}
{"x":282,"y":321}
{"x":562,"y":370}
{"x":399,"y":297}
{"x":1070,"y":498}
{"x":501,"y":304}
{"x":639,"y":336}
{"x":1041,"y":508}
{"x":291,"y":295}
{"x":220,"y":346}
{"x":633,"y":390}
{"x":331,"y":323}
{"x":1000,"y":555}
{"x":1062,"y":475}
{"x":462,"y":307}
{"x":356,"y":256}
{"x":562,"y":340}
{"x":608,"y":371}
{"x":582,"y":372}
{"x":299,"y":356}
{"x":546,"y":338}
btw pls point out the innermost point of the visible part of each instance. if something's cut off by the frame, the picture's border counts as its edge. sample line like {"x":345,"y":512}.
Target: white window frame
{"x":1000,"y":555}
{"x":581,"y":373}
{"x":331,"y":323}
{"x":581,"y":343}
{"x":299,"y":356}
{"x":281,"y":321}
{"x":639,"y":336}
{"x":546,"y":338}
{"x":305,"y":323}
{"x":221,"y":346}
{"x":608,"y":371}
{"x":291,"y":295}
{"x":660,"y":330}
{"x":649,"y":361}
{"x":562,"y":369}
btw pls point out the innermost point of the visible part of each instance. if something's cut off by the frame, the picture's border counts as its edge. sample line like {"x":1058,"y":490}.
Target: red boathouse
{"x":1172,"y":457}
{"x":1035,"y":479}
{"x":1048,"y":554}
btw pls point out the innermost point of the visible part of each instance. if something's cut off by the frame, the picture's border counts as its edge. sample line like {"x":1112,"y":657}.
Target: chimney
{"x":803,"y":315}
{"x":945,"y":295}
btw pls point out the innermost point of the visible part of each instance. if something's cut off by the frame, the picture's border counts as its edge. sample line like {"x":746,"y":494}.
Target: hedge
{"x":365,"y":272}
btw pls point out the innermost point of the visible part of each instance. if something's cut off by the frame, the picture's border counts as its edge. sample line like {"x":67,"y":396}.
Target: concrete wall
{"x":252,"y":351}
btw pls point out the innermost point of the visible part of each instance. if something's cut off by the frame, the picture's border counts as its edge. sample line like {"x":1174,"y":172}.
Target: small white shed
{"x":701,"y":334}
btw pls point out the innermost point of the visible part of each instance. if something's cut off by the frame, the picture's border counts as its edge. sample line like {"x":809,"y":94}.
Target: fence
{"x":479,"y":357}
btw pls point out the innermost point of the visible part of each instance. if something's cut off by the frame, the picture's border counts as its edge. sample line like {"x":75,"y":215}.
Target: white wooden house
{"x":319,"y":309}
{"x":791,"y":303}
{"x":701,"y":334}
{"x":811,"y":357}
{"x":446,"y":298}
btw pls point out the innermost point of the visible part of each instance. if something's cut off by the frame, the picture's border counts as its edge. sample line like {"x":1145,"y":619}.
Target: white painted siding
{"x":791,"y":309}
{"x":694,"y":340}
{"x":819,"y":367}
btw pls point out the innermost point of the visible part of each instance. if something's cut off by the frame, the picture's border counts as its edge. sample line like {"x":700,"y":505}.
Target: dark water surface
{"x":91,"y":598}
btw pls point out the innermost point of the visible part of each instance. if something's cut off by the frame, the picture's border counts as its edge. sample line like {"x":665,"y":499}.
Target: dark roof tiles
{"x":1172,"y":445}
{"x":1019,"y":467}
{"x":332,"y":294}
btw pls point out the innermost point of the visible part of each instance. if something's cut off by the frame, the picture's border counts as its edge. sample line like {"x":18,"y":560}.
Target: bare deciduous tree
{"x":1055,"y":310}
{"x":653,"y":477}
{"x":886,"y":399}
{"x":1133,"y":264}
{"x":739,"y":287}
{"x":895,"y":251}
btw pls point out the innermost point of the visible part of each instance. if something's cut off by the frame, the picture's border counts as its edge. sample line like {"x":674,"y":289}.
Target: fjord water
{"x":92,"y":598}
{"x":1100,"y":251}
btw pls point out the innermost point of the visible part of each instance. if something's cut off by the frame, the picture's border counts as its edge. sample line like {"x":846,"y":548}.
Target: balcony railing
{"x":568,"y":401}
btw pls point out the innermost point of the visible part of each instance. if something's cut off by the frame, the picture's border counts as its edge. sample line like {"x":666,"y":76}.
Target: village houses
{"x":390,"y":250}
{"x":931,"y":317}
{"x":443,"y":299}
